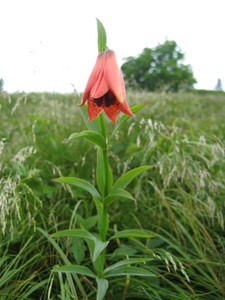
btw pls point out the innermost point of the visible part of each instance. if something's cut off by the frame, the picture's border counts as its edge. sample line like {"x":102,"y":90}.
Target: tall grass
{"x":181,"y":200}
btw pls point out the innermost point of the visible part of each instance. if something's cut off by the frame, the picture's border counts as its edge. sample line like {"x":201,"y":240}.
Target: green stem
{"x":103,"y":218}
{"x":106,"y":165}
{"x":105,"y":155}
{"x":102,"y":124}
{"x":104,"y":214}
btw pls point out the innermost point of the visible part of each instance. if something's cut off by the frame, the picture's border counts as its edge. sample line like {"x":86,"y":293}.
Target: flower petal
{"x":95,"y":107}
{"x":112,"y":107}
{"x":100,"y":88}
{"x":124,"y":107}
{"x":112,"y":112}
{"x":95,"y":74}
{"x":113,"y":77}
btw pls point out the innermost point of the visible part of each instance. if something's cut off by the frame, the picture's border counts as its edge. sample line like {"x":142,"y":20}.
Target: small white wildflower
{"x":142,"y":121}
{"x":138,"y":141}
{"x":167,"y":264}
{"x":23,"y":154}
{"x":18,"y":102}
{"x":83,"y":160}
{"x":186,"y":140}
{"x":150,"y":123}
{"x":33,"y":131}
{"x":202,"y":140}
{"x":155,"y":125}
{"x":182,"y":269}
{"x":2,"y":144}
{"x":130,"y":128}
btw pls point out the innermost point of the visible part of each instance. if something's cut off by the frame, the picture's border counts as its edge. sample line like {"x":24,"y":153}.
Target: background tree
{"x":1,"y":84}
{"x":219,"y":86}
{"x":159,"y":67}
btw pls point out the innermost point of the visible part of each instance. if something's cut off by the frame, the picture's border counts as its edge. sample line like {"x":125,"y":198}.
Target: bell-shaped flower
{"x":105,"y":88}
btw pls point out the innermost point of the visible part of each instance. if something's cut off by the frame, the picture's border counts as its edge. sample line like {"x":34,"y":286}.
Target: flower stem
{"x":105,"y":155}
{"x":103,"y":218}
{"x":106,"y":170}
{"x":102,"y":124}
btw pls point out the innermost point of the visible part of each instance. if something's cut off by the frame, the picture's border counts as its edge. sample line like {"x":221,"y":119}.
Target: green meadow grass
{"x":180,"y":200}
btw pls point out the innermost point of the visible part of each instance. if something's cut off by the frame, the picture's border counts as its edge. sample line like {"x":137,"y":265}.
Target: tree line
{"x":158,"y":68}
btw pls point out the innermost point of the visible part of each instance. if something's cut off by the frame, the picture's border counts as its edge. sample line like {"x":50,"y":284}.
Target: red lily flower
{"x":105,"y":89}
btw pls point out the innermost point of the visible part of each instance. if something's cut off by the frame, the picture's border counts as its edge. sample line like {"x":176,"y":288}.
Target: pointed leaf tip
{"x":103,"y":285}
{"x":80,"y":183}
{"x":102,"y":37}
{"x":90,"y":136}
{"x":126,"y":178}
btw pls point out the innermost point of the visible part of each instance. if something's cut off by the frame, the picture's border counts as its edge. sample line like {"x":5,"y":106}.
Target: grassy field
{"x":180,"y":200}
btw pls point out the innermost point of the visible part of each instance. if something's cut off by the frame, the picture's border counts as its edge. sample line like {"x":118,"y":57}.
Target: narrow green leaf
{"x":96,"y":246}
{"x":124,"y":118}
{"x":3,"y":260}
{"x":33,"y":288}
{"x":128,"y":270}
{"x":103,"y":218}
{"x":134,"y":233}
{"x":125,"y":262}
{"x":101,"y":36}
{"x":89,"y":222}
{"x":90,"y":136}
{"x":125,"y":250}
{"x":126,"y":178}
{"x":78,"y":233}
{"x":100,"y":173}
{"x":103,"y":285}
{"x":116,"y":195}
{"x":136,"y":108}
{"x":93,"y":125}
{"x":78,"y":249}
{"x":66,"y":261}
{"x":62,"y":287}
{"x":8,"y":275}
{"x":83,"y":184}
{"x":110,"y":178}
{"x":82,"y":270}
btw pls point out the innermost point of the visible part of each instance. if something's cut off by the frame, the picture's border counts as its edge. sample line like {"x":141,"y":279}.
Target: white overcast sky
{"x":51,"y":45}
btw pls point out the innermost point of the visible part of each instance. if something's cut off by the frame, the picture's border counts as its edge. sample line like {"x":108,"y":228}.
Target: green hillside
{"x":181,"y":200}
